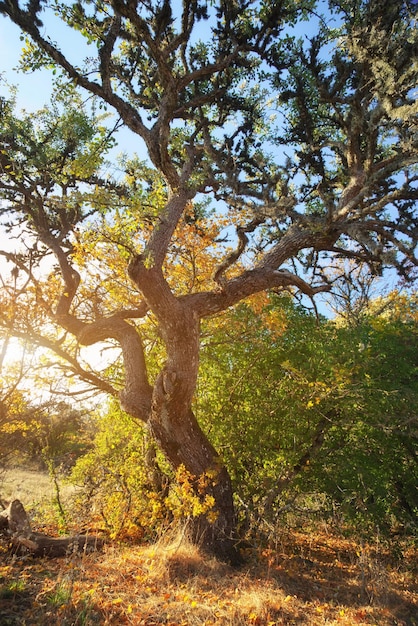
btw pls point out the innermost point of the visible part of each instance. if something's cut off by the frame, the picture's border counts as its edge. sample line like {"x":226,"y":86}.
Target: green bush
{"x":121,"y":484}
{"x":316,"y":408}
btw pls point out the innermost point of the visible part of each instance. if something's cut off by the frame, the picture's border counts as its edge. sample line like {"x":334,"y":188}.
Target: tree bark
{"x":177,"y":432}
{"x":184,"y":444}
{"x":171,"y":419}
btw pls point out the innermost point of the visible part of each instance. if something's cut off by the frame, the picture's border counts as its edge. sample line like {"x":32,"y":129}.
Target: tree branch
{"x":247,"y":284}
{"x":235,"y":255}
{"x":137,"y":392}
{"x":127,"y":112}
{"x":105,"y":52}
{"x":88,"y":377}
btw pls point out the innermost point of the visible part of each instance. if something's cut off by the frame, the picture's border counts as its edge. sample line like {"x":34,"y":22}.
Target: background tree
{"x":332,"y":174}
{"x":13,"y":404}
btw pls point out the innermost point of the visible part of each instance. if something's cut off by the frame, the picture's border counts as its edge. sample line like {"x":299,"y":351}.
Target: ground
{"x":313,"y":577}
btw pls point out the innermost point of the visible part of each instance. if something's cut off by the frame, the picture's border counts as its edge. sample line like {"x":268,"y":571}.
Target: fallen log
{"x":15,"y":521}
{"x":42,"y":545}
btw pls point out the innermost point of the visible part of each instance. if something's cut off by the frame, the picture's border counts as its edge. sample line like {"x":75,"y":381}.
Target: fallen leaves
{"x":315,"y":579}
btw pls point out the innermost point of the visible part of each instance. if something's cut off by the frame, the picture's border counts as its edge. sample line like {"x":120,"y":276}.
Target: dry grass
{"x":313,"y":579}
{"x":304,"y":578}
{"x":29,"y":486}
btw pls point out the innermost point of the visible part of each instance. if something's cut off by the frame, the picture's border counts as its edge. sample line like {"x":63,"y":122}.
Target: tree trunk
{"x":175,"y":428}
{"x":171,"y":419}
{"x":184,"y":444}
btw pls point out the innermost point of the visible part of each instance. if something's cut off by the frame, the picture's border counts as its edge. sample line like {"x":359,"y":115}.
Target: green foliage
{"x":50,"y":151}
{"x":121,"y":482}
{"x":316,"y":409}
{"x":129,"y":487}
{"x":368,"y":464}
{"x":266,"y":384}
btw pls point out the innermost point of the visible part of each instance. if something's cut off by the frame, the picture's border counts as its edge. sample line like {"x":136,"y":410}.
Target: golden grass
{"x":28,"y":486}
{"x":303,"y":578}
{"x":25,"y":485}
{"x":313,"y":579}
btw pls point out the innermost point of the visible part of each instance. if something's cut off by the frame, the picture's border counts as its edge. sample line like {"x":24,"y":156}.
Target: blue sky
{"x":34,"y":88}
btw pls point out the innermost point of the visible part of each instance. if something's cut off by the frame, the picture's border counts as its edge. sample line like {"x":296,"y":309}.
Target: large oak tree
{"x":305,"y":147}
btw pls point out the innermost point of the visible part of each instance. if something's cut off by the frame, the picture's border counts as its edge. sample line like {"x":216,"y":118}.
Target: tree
{"x":306,"y":147}
{"x":369,"y":464}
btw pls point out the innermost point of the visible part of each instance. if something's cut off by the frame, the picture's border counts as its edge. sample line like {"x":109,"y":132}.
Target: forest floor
{"x":314,"y":577}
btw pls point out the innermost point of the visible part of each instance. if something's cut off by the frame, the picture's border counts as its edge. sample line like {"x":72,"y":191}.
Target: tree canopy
{"x":271,"y":151}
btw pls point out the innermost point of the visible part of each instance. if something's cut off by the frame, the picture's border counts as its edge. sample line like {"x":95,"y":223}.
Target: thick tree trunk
{"x":183,"y":442}
{"x":171,"y":419}
{"x":174,"y":426}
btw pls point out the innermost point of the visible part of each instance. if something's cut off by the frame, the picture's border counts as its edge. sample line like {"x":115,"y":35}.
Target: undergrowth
{"x":300,"y":578}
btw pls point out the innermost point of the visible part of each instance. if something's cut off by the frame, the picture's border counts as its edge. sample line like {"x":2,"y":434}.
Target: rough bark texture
{"x":14,"y":520}
{"x":183,"y":442}
{"x":171,"y":419}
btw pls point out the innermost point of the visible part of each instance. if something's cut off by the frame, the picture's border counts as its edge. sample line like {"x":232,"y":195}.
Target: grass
{"x":315,"y":578}
{"x":307,"y":578}
{"x":29,"y":486}
{"x":25,"y":485}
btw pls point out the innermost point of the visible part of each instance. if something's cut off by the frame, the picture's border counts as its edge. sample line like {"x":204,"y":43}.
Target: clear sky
{"x":34,"y":88}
